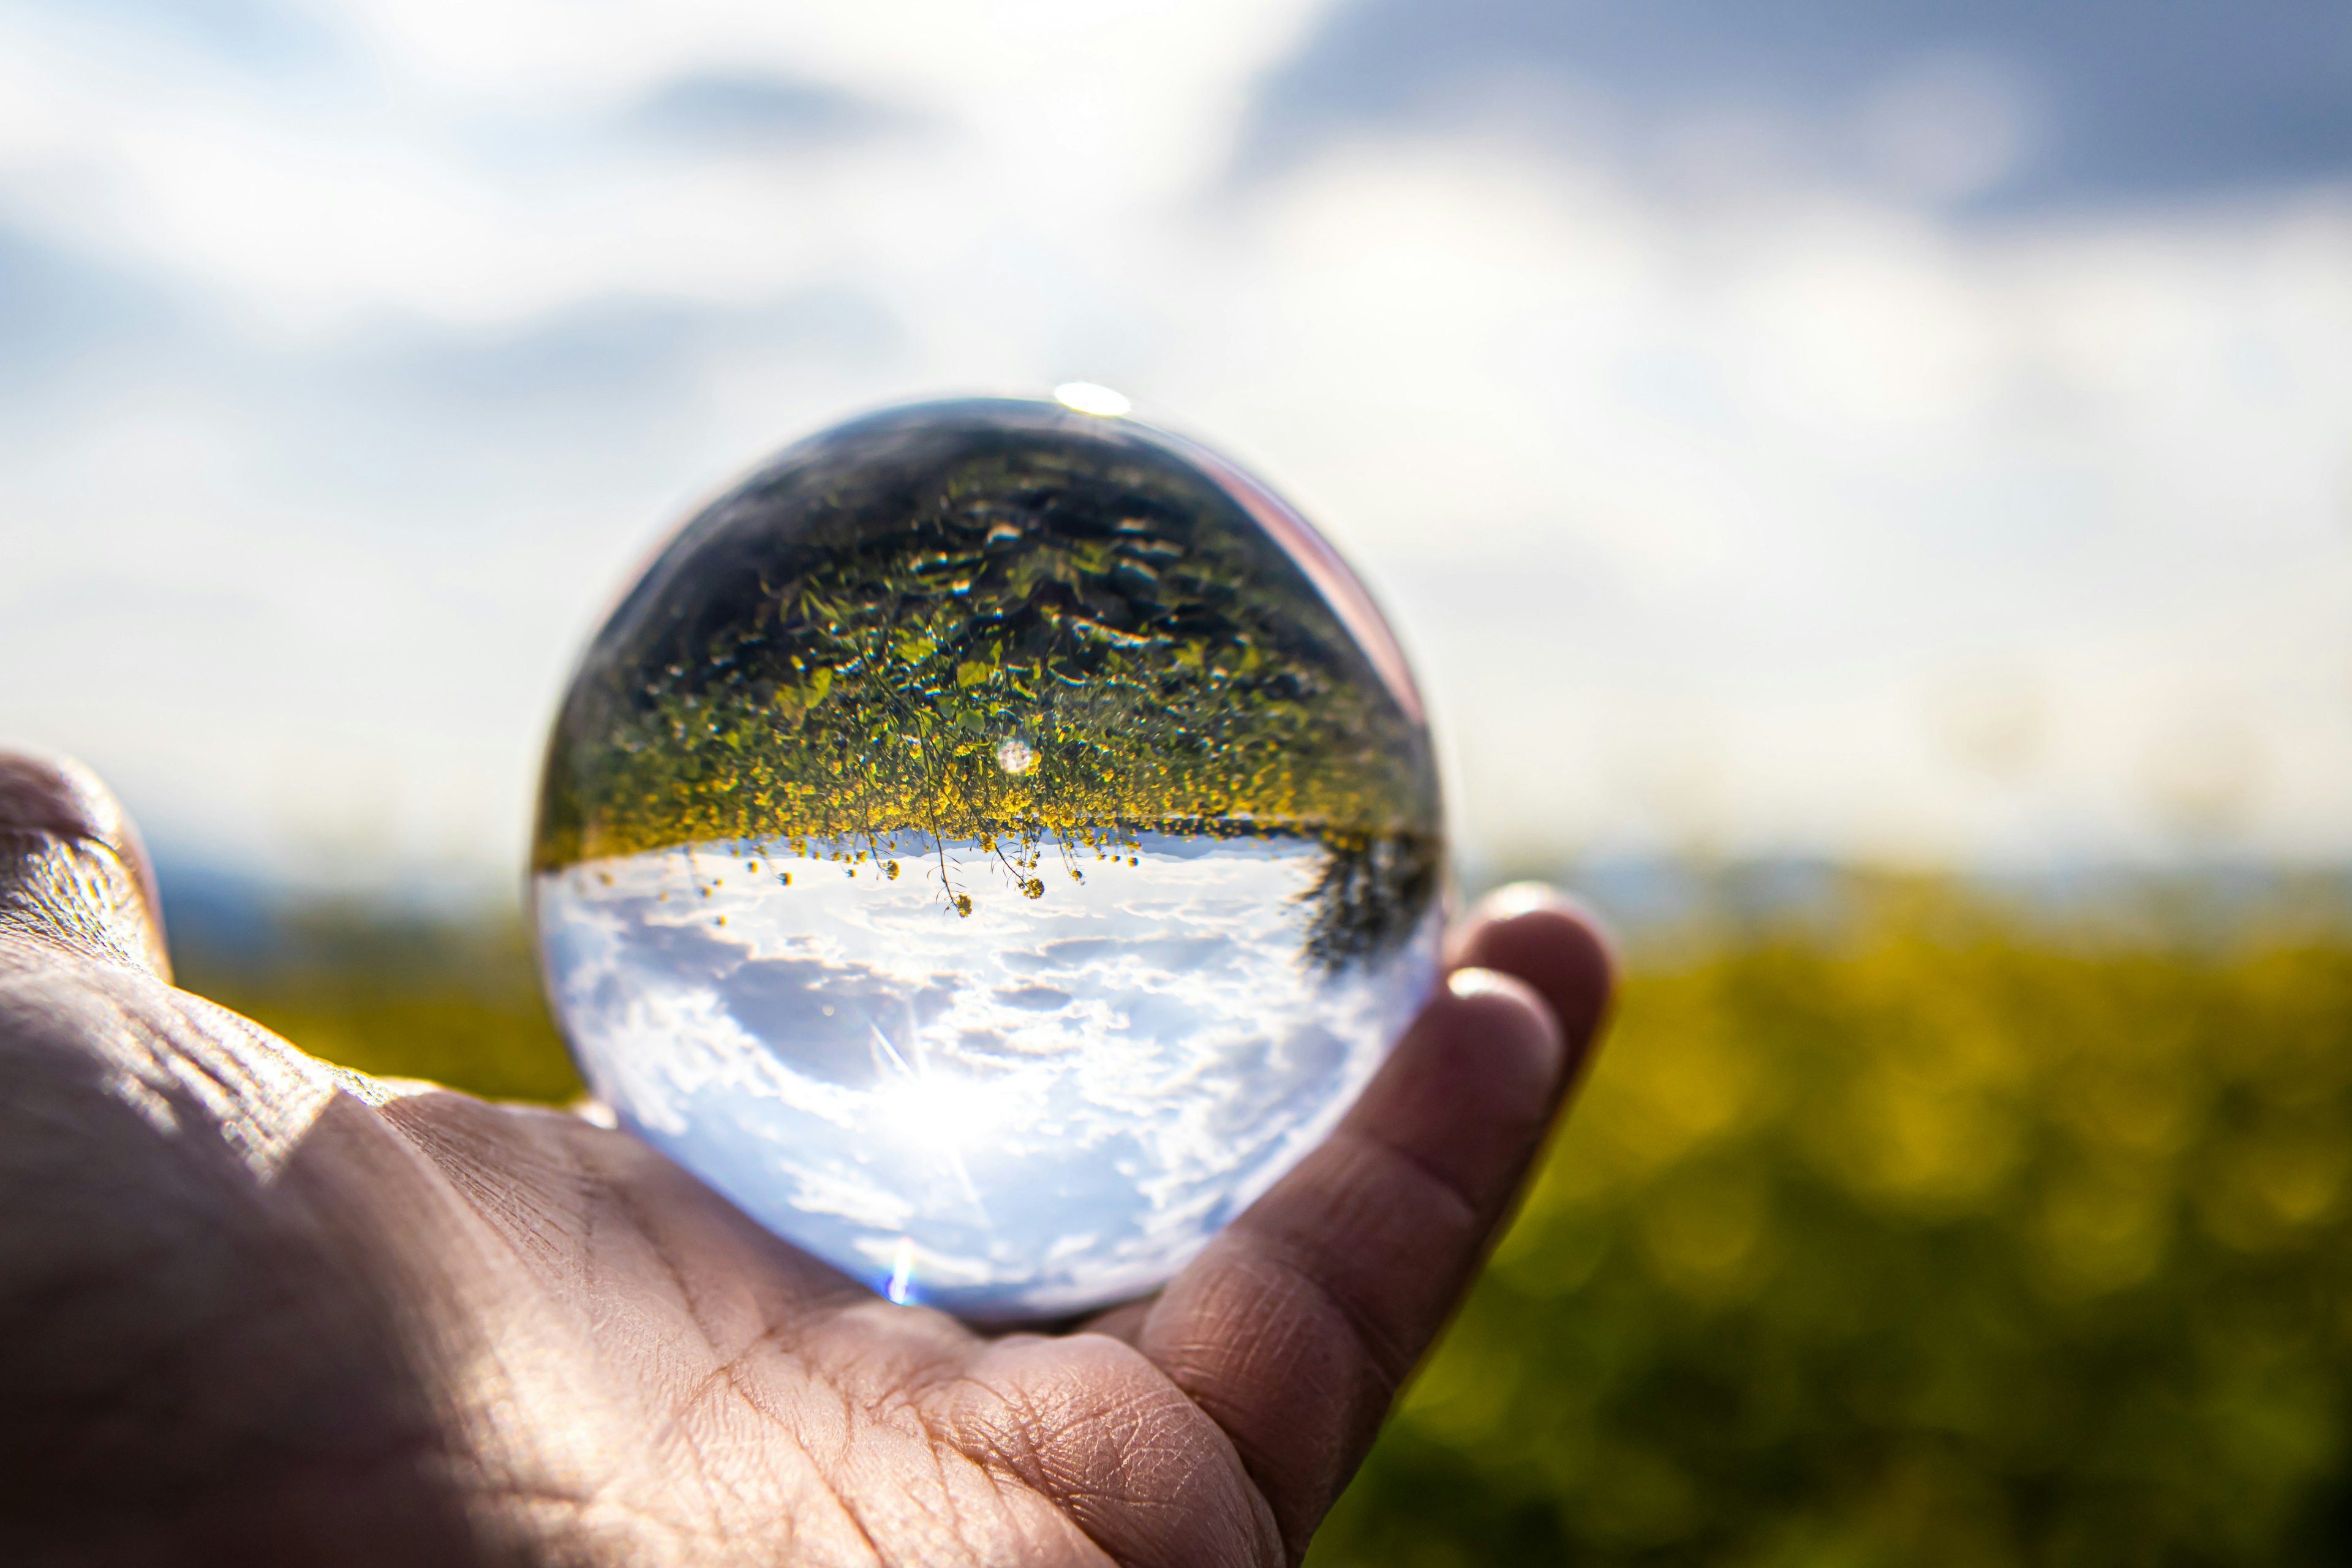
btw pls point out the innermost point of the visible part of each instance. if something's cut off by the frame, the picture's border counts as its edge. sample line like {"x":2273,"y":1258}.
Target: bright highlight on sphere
{"x":991,"y":846}
{"x":1087,"y":398}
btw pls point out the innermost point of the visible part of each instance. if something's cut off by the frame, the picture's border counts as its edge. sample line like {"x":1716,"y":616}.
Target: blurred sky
{"x":1898,"y":431}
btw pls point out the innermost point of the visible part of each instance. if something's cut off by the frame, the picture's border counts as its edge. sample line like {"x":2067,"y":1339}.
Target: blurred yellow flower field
{"x":1926,"y":1235}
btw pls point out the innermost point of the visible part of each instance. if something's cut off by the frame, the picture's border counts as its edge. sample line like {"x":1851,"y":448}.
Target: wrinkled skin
{"x":255,"y":1309}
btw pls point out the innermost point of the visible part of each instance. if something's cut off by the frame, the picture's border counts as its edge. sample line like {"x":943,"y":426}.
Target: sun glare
{"x":1087,"y":398}
{"x":939,"y":1110}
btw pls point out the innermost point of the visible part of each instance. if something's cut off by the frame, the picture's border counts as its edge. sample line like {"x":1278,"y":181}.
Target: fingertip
{"x":1554,"y":944}
{"x":1507,"y":1016}
{"x":1527,"y":897}
{"x":1475,"y":1082}
{"x":1472,"y":982}
{"x":45,"y":793}
{"x":111,"y":899}
{"x":1547,"y":909}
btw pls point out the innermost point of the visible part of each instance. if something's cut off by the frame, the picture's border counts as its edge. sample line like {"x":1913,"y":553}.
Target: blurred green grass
{"x":406,"y":995}
{"x":1912,"y":1229}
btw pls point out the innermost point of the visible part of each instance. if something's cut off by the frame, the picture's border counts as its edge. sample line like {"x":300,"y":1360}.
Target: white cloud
{"x":1694,"y":503}
{"x":1056,"y":1099}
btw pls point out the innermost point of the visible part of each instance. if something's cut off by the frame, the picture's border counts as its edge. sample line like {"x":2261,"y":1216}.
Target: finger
{"x":1531,"y":931}
{"x":72,"y":869}
{"x":1295,"y":1328}
{"x":1540,"y":935}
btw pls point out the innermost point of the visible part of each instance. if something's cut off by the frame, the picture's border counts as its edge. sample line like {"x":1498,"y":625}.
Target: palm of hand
{"x":263,"y":1310}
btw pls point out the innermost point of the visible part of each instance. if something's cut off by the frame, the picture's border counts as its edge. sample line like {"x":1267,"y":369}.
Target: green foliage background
{"x":1920,"y":1232}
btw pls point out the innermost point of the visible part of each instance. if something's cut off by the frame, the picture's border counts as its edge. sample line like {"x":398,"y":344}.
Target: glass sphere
{"x":991,"y":845}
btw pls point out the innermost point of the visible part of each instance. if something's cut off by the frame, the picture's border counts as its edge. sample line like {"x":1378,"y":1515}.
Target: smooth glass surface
{"x":991,"y":845}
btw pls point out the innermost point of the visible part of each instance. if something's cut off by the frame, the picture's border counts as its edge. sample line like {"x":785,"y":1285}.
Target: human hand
{"x":254,"y":1309}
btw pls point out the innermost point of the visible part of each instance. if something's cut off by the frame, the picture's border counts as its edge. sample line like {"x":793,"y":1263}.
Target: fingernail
{"x":1475,"y":982}
{"x":1525,"y":898}
{"x":1521,"y":898}
{"x":1545,"y":1053}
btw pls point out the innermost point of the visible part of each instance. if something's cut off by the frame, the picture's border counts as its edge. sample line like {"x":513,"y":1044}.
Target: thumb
{"x":73,"y":873}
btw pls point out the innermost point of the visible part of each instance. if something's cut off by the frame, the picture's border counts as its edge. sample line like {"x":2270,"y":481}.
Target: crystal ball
{"x":989,"y":845}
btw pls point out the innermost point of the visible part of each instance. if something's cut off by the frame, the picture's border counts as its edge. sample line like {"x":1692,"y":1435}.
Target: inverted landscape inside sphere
{"x":996,"y":644}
